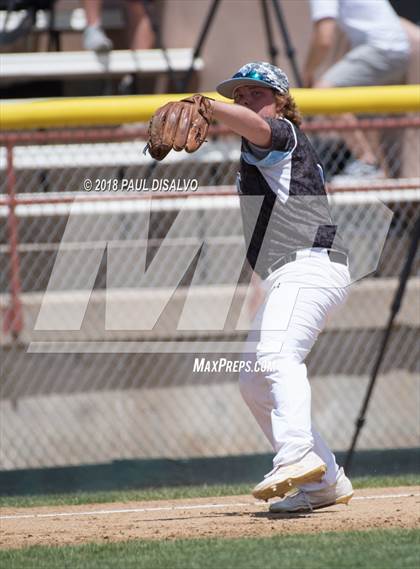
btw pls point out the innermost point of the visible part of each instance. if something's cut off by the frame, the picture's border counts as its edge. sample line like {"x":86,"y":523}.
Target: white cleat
{"x":300,"y":501}
{"x":94,"y":39}
{"x":357,"y":170}
{"x":282,"y":479}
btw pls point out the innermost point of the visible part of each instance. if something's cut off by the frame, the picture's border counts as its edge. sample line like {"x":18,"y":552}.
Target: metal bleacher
{"x":48,"y":65}
{"x":86,"y":65}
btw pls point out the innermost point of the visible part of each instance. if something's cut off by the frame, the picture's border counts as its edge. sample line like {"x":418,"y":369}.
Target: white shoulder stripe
{"x":292,"y":126}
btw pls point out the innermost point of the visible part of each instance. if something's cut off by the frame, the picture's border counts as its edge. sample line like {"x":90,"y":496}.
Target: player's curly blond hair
{"x":287,"y":108}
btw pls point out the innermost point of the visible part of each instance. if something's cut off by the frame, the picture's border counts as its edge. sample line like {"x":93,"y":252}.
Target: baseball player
{"x":295,"y":247}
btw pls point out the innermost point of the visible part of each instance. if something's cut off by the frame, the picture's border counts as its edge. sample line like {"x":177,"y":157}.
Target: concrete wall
{"x":237,"y":34}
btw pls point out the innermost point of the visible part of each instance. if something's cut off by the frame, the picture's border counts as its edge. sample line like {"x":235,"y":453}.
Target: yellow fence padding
{"x":88,"y":111}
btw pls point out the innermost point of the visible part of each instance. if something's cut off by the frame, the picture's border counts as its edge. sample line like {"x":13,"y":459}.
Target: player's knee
{"x":278,"y":362}
{"x":272,"y":353}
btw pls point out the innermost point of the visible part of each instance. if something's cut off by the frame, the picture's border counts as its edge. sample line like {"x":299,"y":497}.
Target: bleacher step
{"x":48,"y":65}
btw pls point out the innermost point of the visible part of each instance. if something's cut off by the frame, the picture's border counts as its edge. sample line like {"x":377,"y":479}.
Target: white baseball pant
{"x":300,"y":297}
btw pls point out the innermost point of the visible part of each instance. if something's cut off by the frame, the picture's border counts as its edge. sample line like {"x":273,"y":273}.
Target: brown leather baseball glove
{"x":181,"y":125}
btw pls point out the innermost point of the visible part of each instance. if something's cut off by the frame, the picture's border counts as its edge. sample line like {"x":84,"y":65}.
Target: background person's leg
{"x":94,"y":37}
{"x":141,"y":31}
{"x":364,"y":66}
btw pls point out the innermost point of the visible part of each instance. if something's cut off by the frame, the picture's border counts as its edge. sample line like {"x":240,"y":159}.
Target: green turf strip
{"x":178,"y":492}
{"x":374,"y":549}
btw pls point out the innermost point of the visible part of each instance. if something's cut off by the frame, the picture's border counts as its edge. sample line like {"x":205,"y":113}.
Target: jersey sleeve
{"x":283,"y":136}
{"x":283,"y":142}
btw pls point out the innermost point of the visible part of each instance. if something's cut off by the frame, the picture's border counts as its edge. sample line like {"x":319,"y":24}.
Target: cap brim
{"x":226,"y":88}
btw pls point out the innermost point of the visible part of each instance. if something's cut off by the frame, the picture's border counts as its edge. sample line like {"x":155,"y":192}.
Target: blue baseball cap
{"x":257,"y":73}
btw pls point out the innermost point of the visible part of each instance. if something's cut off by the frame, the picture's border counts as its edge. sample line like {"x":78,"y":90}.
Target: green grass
{"x":177,"y":492}
{"x":374,"y":549}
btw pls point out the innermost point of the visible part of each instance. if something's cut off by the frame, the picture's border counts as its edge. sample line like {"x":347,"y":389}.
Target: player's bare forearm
{"x":322,"y":40}
{"x":244,"y":122}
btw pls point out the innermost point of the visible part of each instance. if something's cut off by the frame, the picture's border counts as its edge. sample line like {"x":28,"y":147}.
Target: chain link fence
{"x":84,"y":211}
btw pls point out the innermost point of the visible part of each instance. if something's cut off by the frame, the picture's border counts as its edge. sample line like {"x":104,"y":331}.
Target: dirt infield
{"x":229,"y":517}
